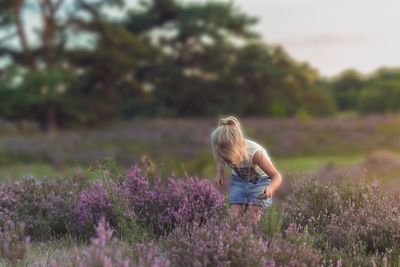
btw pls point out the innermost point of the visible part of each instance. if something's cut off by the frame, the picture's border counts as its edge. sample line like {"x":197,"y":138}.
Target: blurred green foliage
{"x":159,"y":58}
{"x":378,"y":92}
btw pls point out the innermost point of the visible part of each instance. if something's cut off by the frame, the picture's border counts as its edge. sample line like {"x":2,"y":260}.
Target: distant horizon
{"x":331,"y":36}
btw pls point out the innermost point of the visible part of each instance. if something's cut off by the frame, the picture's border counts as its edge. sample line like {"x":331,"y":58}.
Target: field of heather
{"x":143,"y":196}
{"x":181,"y":145}
{"x":134,"y":219}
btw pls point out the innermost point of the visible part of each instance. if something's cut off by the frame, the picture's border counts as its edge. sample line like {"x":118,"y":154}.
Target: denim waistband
{"x":250,"y":180}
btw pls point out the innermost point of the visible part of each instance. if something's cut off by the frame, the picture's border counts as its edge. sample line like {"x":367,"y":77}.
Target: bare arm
{"x":220,"y":177}
{"x":269,"y":168}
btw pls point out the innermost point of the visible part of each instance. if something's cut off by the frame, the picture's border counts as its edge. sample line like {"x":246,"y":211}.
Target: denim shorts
{"x":246,"y":192}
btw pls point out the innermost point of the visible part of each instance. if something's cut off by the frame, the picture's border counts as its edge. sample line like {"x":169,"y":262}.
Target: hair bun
{"x":228,"y":121}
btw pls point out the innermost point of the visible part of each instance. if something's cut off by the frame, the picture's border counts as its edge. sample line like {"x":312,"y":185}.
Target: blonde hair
{"x":228,"y":141}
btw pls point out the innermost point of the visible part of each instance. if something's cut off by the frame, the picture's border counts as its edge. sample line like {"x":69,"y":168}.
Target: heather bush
{"x":182,"y":202}
{"x":93,"y":204}
{"x":128,"y":195}
{"x":370,"y":226}
{"x":112,"y":197}
{"x":179,"y":202}
{"x":354,"y":222}
{"x":137,"y":189}
{"x":294,"y":248}
{"x":130,"y":203}
{"x":216,"y":243}
{"x":313,"y":200}
{"x":106,"y":250}
{"x":45,"y":207}
{"x":311,"y":203}
{"x":234,"y":242}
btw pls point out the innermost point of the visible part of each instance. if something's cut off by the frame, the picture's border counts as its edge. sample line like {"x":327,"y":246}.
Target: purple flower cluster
{"x":295,"y":249}
{"x":182,"y":202}
{"x":136,"y":189}
{"x":369,"y":226}
{"x":312,"y":203}
{"x":217,"y":243}
{"x":45,"y":207}
{"x":352,"y":221}
{"x":162,"y":207}
{"x":94,"y":203}
{"x":233,"y":243}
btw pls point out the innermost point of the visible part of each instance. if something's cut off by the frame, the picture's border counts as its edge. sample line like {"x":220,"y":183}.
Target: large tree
{"x":196,"y":41}
{"x":53,"y":66}
{"x":213,"y":62}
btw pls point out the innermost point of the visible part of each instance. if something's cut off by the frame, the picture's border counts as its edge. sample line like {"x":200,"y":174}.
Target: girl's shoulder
{"x":254,"y":146}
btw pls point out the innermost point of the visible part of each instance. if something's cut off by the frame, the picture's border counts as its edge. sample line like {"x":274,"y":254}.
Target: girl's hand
{"x":267,"y":193}
{"x":219,"y":181}
{"x":220,"y":177}
{"x":268,"y":167}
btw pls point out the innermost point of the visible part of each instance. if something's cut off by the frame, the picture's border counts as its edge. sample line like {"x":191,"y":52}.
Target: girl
{"x":254,"y":177}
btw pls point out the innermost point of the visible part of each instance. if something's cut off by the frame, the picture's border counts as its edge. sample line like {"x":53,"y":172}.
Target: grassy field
{"x":183,"y":145}
{"x":286,"y":165}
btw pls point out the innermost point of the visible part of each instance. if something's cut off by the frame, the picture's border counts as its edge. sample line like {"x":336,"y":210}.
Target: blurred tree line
{"x":96,"y":60}
{"x":378,"y":92}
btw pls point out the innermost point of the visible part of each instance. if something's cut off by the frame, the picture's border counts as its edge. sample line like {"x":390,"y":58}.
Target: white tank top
{"x":246,"y":169}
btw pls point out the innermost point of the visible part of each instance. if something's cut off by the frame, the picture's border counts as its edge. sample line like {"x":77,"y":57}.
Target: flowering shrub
{"x":136,"y":189}
{"x":93,"y":204}
{"x":162,"y":207}
{"x":353,"y":222}
{"x":372,"y":225}
{"x":105,"y":250}
{"x":45,"y":207}
{"x":182,"y":202}
{"x":311,"y":203}
{"x":234,"y":243}
{"x":295,"y":248}
{"x":217,"y":243}
{"x":322,"y":223}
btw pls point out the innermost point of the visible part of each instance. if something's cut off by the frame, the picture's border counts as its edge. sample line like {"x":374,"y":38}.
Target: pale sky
{"x":331,"y":35}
